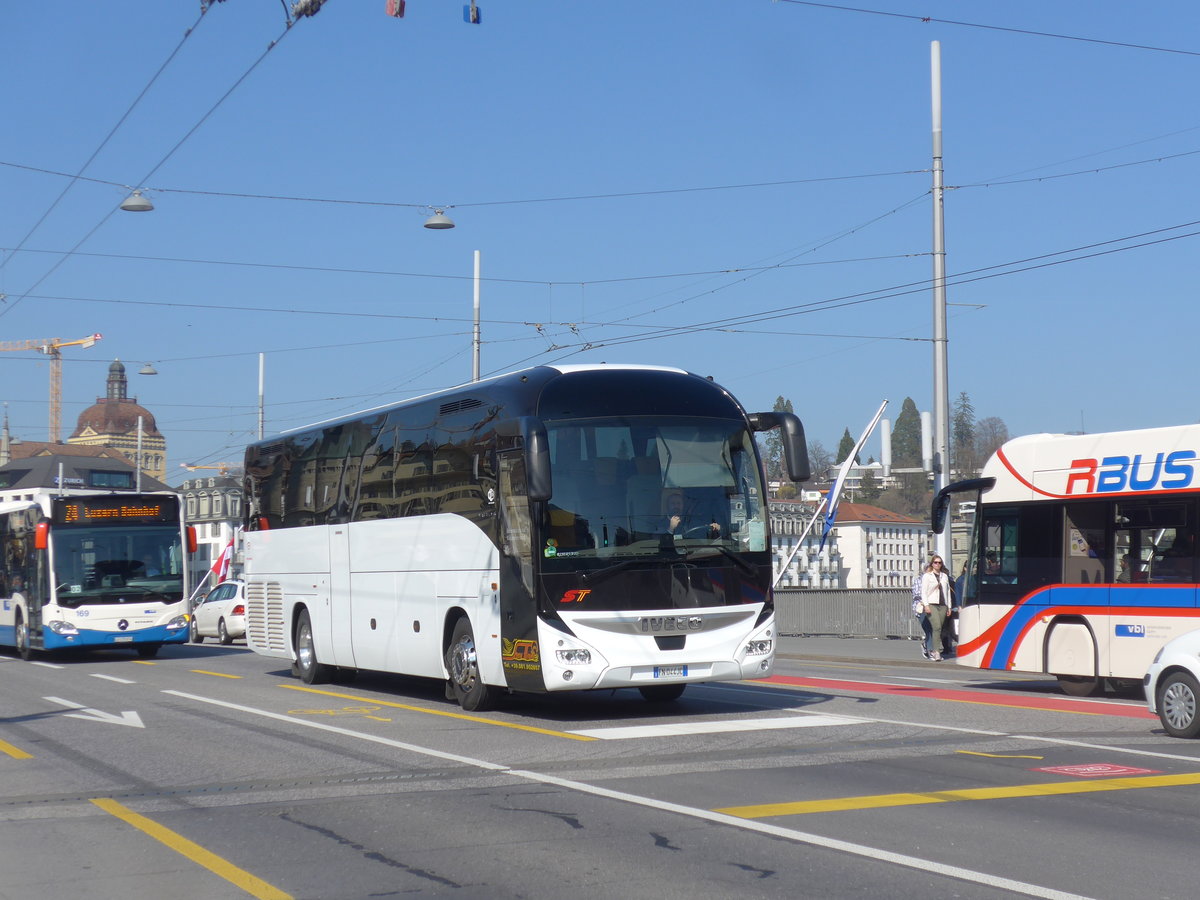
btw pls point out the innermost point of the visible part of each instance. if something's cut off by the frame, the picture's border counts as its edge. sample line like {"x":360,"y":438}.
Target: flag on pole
{"x":221,"y":567}
{"x":847,"y":464}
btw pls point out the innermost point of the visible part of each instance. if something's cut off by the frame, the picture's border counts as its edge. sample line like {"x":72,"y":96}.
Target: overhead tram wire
{"x":865,"y":296}
{"x":53,"y":268}
{"x":108,"y":137}
{"x":1010,"y":30}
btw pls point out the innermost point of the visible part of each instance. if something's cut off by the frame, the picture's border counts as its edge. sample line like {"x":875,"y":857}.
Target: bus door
{"x":1080,"y":632}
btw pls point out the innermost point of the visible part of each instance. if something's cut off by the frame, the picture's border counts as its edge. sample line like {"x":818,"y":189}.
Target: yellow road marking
{"x":240,"y":878}
{"x":998,"y":755}
{"x":439,"y":712}
{"x":14,"y":752}
{"x":144,"y":662}
{"x":364,"y":711}
{"x":880,"y":801}
{"x":215,"y":674}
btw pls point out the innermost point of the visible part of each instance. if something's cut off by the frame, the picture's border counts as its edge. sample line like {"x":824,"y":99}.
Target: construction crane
{"x":222,"y":468}
{"x":53,"y":349}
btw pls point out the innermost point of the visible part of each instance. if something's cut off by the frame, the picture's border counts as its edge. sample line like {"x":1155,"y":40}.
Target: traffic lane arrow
{"x":128,"y":717}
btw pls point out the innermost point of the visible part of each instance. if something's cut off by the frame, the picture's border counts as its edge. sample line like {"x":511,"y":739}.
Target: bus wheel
{"x":662,"y":693}
{"x":1179,"y":705}
{"x":223,"y":633}
{"x":1081,"y":685}
{"x":147,"y":651}
{"x":462,"y":662}
{"x":311,"y":671}
{"x":23,"y":649}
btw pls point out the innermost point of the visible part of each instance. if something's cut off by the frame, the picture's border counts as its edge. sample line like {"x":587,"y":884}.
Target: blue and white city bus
{"x":516,"y":533}
{"x":93,"y":570}
{"x":1082,"y":561}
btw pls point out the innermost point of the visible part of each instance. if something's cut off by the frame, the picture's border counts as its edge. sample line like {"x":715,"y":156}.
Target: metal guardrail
{"x":864,"y":612}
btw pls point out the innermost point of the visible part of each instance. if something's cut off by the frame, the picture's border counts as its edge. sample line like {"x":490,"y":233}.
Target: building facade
{"x":213,"y":504}
{"x":113,"y":421}
{"x":868,"y":547}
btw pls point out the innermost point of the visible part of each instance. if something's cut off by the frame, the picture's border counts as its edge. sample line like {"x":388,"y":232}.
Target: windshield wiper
{"x":607,"y":572}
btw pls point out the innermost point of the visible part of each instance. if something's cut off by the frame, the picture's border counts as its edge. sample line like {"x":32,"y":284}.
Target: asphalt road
{"x":858,"y":770}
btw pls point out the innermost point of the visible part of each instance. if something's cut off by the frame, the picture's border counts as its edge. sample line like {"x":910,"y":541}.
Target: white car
{"x":221,"y":614}
{"x":1173,"y":685}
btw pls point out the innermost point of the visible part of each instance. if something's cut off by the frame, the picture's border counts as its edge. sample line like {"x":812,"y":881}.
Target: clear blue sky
{"x":810,"y":123}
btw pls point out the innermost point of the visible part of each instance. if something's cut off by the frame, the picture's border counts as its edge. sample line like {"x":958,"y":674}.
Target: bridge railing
{"x":877,"y":613}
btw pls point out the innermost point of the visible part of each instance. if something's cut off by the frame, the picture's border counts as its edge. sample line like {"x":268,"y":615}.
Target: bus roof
{"x":1069,"y":466}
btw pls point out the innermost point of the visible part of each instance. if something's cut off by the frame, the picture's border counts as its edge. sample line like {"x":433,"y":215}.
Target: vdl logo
{"x":1114,"y":474}
{"x":1138,"y":631}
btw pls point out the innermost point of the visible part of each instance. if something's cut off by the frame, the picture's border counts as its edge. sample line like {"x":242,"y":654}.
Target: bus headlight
{"x":574,"y":657}
{"x":178,"y":622}
{"x":757,"y":648}
{"x":65,"y":629}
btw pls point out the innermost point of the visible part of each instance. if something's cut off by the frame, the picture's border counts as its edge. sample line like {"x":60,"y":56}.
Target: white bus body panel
{"x":375,"y":598}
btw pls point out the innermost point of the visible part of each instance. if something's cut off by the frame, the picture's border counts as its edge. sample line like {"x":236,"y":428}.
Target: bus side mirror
{"x":537,"y":459}
{"x":41,"y":537}
{"x":941,"y":501}
{"x":191,"y":539}
{"x":795,"y":450}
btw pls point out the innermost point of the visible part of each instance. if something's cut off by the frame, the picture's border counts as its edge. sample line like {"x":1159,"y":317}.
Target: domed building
{"x":113,"y":422}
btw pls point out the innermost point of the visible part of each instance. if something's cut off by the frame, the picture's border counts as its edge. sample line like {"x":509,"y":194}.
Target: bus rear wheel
{"x":662,"y":693}
{"x":462,"y":662}
{"x":24,"y":650}
{"x":1081,"y":685}
{"x":311,"y":671}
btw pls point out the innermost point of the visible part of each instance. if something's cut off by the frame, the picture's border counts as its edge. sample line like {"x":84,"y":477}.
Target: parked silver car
{"x":221,"y":614}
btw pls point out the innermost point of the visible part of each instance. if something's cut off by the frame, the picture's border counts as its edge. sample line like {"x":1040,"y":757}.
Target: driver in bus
{"x":678,"y":521}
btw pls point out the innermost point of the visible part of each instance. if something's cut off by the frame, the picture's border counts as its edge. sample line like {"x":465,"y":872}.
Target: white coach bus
{"x":559,"y":528}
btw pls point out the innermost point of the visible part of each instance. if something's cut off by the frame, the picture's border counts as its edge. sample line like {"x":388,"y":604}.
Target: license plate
{"x":123,"y":640}
{"x":670,"y":671}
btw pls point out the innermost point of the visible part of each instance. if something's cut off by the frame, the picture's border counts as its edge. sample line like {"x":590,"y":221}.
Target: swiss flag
{"x":221,"y":567}
{"x":395,"y":8}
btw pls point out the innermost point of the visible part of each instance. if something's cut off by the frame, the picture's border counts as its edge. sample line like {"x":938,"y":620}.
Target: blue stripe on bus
{"x":1087,"y":600}
{"x":88,"y":638}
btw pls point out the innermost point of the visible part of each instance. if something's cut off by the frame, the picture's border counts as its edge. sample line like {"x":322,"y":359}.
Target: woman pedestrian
{"x":935,"y":594}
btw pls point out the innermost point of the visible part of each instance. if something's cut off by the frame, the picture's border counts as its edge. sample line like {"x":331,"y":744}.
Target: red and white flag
{"x":221,"y":567}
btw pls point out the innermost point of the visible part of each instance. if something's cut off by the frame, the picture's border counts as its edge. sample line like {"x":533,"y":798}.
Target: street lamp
{"x":137,"y":202}
{"x":439,"y":220}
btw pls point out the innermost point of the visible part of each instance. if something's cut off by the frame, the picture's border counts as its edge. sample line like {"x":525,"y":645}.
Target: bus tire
{"x":24,"y":650}
{"x":1081,"y":685}
{"x":148,"y":651}
{"x":310,"y":671}
{"x":462,"y":662}
{"x":223,"y":633}
{"x":662,"y":693}
{"x":1179,"y":705}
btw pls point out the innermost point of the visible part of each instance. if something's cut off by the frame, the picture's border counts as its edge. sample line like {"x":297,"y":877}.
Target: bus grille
{"x":265,"y":626}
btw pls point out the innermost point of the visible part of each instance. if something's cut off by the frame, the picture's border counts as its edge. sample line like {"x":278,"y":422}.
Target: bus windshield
{"x":117,"y":565}
{"x":642,"y":486}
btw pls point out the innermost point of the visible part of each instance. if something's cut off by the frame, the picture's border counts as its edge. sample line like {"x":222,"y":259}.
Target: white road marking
{"x":113,"y":678}
{"x":128,"y":717}
{"x":45,"y":665}
{"x":920,"y":864}
{"x":800,"y":720}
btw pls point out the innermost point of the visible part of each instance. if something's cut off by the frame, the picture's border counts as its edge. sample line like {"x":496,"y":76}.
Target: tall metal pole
{"x":475,"y":340}
{"x":139,"y":456}
{"x":941,"y":388}
{"x":261,"y":418}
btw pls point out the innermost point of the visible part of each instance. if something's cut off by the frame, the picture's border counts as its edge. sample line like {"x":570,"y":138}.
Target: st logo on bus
{"x":1115,"y":474}
{"x":574,"y":596}
{"x":520,"y":651}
